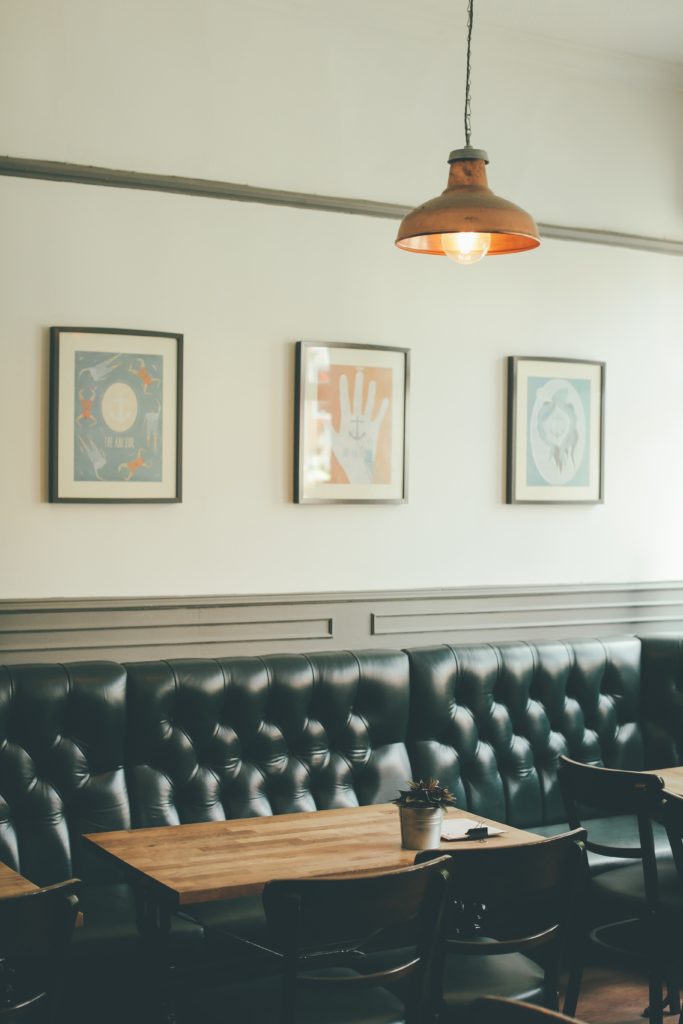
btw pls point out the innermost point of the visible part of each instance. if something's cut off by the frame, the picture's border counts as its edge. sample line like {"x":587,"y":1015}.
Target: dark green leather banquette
{"x":99,"y":746}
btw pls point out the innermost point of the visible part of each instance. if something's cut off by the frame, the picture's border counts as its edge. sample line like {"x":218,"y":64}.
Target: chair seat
{"x":511,"y":975}
{"x":258,"y":1002}
{"x":224,"y":918}
{"x":617,"y":830}
{"x":625,"y":885}
{"x":109,"y":925}
{"x":106,"y":969}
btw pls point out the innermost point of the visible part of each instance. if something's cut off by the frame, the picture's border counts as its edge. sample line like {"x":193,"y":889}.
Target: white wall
{"x":276,"y":94}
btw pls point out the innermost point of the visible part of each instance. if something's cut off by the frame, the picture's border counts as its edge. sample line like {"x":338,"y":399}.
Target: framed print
{"x":350,"y":425}
{"x":115,"y":415}
{"x":555,"y":444}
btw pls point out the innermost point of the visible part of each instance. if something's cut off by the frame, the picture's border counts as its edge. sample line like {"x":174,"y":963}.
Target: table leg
{"x":153,"y":918}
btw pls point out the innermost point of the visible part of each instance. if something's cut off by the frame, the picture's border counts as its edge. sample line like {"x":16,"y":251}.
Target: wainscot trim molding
{"x":126,"y":629}
{"x":83,"y":174}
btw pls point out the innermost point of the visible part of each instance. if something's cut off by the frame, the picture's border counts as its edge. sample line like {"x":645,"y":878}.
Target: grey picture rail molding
{"x":133,"y":628}
{"x":83,"y":174}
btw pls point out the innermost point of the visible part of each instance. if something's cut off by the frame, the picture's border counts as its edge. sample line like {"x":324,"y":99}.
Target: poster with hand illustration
{"x":555,"y":430}
{"x":115,"y":415}
{"x":350,"y":431}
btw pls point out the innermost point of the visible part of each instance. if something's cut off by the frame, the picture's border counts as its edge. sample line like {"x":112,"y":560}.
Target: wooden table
{"x":13,"y":884}
{"x":184,"y":864}
{"x":673,"y":779}
{"x":178,"y":865}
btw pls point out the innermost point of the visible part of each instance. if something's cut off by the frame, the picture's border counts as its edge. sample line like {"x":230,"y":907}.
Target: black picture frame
{"x":555,"y":431}
{"x":338,"y":381}
{"x":115,"y":420}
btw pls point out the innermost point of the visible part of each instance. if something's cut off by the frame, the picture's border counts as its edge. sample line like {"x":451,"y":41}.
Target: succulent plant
{"x":425,"y":793}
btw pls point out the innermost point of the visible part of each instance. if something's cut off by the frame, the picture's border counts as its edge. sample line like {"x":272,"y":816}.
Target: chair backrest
{"x":494,"y":1010}
{"x":526,"y":892}
{"x":35,"y":930}
{"x":587,"y":787}
{"x":324,"y":923}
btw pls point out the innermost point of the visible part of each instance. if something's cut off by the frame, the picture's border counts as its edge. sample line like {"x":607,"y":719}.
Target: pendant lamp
{"x":467,"y":221}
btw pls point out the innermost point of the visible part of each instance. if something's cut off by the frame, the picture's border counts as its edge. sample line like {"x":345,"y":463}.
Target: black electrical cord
{"x":468,"y":110}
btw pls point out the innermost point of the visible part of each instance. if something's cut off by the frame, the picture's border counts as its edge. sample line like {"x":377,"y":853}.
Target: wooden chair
{"x":493,"y":1010}
{"x":634,"y":891}
{"x":670,"y":814}
{"x":35,"y":930}
{"x":320,"y":931}
{"x":511,"y":920}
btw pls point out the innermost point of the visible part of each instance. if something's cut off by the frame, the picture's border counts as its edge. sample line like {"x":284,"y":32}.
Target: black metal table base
{"x":154,"y":926}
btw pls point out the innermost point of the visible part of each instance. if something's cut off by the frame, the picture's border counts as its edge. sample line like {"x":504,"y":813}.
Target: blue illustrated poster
{"x":118,"y":408}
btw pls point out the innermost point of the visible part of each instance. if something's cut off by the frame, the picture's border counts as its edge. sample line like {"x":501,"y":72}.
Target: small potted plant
{"x":421,"y":813}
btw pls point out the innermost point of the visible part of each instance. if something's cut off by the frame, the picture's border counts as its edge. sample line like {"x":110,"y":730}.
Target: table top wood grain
{"x":187,"y":864}
{"x":673,"y":779}
{"x":13,"y":884}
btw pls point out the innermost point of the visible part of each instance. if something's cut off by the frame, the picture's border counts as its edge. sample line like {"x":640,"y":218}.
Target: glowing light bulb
{"x":465,"y":247}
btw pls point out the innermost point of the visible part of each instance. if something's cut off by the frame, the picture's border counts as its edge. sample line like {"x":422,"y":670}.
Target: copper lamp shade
{"x":468,"y":205}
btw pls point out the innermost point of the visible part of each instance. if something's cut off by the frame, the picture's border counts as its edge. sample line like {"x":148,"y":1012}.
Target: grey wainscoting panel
{"x":147,"y":628}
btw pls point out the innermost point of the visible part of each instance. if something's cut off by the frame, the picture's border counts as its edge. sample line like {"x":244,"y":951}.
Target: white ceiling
{"x":651,"y":29}
{"x":644,"y":28}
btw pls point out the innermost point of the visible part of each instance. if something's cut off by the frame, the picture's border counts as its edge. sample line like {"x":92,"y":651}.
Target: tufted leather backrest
{"x":491,"y":721}
{"x":62,"y":733}
{"x":239,"y":737}
{"x":662,"y":689}
{"x":208,"y":739}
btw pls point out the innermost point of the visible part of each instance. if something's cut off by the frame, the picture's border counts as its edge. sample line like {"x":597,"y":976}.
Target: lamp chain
{"x":468,"y":107}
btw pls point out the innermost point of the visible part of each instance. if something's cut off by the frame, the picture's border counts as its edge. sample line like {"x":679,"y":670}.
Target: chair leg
{"x":660,"y":1006}
{"x":571,"y":996}
{"x":655,"y":1008}
{"x":576,"y":956}
{"x":551,"y":981}
{"x":670,"y":1002}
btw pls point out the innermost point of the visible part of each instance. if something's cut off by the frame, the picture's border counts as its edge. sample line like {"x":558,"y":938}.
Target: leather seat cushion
{"x":468,"y":976}
{"x":258,"y":1002}
{"x":109,"y":927}
{"x":243,"y":917}
{"x":227,"y":923}
{"x":625,"y":885}
{"x":618,"y":830}
{"x":511,"y":975}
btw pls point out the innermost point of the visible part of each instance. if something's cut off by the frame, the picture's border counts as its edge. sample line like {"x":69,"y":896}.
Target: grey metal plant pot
{"x":420,"y":827}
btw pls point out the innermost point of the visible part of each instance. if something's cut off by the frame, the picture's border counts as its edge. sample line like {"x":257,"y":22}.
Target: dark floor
{"x":613,"y":991}
{"x":615,"y":985}
{"x":612,"y":994}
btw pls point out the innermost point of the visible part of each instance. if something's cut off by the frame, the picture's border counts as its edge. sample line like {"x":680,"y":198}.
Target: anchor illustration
{"x":356,"y":423}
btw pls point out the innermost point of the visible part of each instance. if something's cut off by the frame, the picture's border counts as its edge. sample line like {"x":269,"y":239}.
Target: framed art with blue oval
{"x":556,"y":432}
